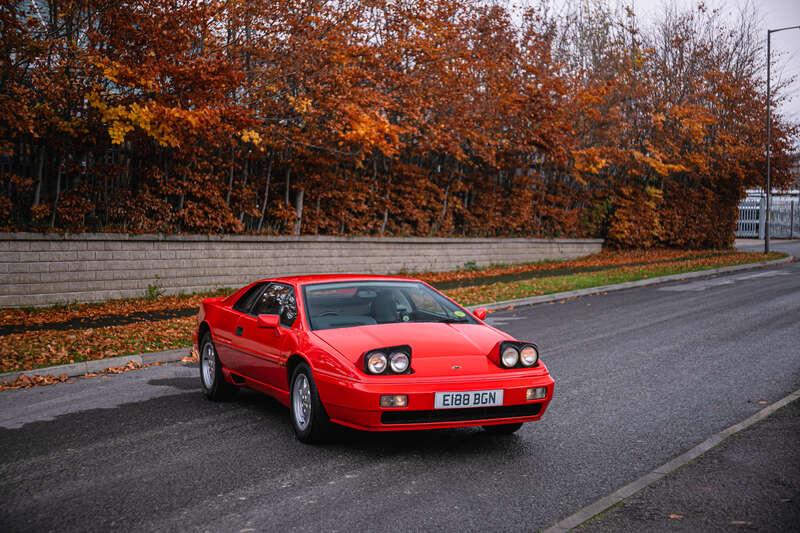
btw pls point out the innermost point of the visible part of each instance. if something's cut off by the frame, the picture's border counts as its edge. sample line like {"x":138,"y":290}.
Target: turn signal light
{"x":394,"y":400}
{"x":538,"y":393}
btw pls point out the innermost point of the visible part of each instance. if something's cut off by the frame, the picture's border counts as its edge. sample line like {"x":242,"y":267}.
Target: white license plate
{"x":476,"y":398}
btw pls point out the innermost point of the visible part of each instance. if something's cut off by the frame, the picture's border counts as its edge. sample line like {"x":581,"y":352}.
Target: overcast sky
{"x":775,"y":14}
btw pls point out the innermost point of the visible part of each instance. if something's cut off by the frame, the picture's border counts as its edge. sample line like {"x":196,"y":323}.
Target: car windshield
{"x":363,"y":303}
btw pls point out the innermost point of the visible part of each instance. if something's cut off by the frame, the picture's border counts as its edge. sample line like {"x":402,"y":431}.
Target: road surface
{"x":641,"y":376}
{"x":707,"y":495}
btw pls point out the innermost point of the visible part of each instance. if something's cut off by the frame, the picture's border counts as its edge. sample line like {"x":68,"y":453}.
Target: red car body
{"x":257,"y":353}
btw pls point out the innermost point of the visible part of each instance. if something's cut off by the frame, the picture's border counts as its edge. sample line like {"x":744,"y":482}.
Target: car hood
{"x":465,"y":344}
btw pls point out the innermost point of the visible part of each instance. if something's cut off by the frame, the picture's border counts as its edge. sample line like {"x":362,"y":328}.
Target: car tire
{"x":211,"y":379}
{"x":503,"y":429}
{"x":309,"y":419}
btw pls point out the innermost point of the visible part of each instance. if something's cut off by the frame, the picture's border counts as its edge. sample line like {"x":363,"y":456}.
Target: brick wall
{"x":42,"y":269}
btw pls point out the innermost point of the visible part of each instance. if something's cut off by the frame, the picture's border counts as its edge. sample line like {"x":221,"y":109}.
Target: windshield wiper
{"x":453,"y":320}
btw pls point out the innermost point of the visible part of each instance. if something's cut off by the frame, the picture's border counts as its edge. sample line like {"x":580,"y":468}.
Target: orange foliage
{"x":442,"y":117}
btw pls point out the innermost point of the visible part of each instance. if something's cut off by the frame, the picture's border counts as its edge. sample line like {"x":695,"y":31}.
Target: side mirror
{"x":480,"y":313}
{"x":269,"y":321}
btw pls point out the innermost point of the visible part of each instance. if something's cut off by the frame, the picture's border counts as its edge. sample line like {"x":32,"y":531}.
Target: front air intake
{"x":460,"y":415}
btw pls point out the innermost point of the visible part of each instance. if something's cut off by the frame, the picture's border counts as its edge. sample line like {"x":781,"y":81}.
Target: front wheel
{"x":309,"y":419}
{"x":214,"y":385}
{"x":502,"y":429}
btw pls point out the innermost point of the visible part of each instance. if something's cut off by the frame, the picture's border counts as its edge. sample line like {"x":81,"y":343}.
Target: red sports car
{"x":374,"y":353}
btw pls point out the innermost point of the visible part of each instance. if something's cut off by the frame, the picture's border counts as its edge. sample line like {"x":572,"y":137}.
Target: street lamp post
{"x":769,"y":134}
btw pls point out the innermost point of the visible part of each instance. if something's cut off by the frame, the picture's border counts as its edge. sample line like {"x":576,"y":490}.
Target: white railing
{"x":750,"y":223}
{"x":784,"y":219}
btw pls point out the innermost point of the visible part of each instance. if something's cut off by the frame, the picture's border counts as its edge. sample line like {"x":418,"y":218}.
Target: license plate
{"x":477,"y":398}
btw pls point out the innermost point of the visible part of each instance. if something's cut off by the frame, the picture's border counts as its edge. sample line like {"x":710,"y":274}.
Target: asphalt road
{"x":641,"y":376}
{"x":708,"y":494}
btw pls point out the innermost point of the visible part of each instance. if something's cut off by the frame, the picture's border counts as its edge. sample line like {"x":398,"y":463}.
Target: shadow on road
{"x":471,"y":440}
{"x":186,"y":383}
{"x":171,"y":452}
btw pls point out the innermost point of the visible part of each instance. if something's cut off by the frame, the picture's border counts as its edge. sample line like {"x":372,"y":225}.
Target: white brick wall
{"x":43,"y":269}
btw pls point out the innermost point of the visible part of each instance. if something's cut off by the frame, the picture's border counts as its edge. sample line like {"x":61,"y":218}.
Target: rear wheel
{"x":503,"y":429}
{"x":309,"y":419}
{"x":214,"y":385}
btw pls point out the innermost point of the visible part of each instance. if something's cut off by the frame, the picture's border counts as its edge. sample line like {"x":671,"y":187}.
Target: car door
{"x":227,"y":321}
{"x":265,"y":350}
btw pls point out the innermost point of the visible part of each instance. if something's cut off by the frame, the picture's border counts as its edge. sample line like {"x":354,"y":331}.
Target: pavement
{"x":642,"y":375}
{"x":779,"y":245}
{"x":749,"y":482}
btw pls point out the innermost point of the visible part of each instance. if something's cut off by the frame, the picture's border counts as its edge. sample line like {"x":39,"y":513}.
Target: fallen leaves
{"x":98,"y":311}
{"x":192,"y":358}
{"x":25,"y":381}
{"x":615,"y":273}
{"x":30,"y":350}
{"x":130,"y":365}
{"x":606,"y":258}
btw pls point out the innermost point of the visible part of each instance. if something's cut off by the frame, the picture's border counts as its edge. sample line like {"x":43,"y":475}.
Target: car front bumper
{"x":357,"y":404}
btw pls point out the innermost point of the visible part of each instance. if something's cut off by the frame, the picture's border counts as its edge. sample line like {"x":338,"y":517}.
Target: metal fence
{"x":784,"y":219}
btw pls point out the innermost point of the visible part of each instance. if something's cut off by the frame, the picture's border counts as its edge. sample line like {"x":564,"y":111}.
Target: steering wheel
{"x":329,"y":313}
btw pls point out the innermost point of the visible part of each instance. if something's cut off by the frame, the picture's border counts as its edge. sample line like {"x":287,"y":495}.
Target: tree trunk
{"x":316,"y":214}
{"x":266,"y":195}
{"x":443,"y":212}
{"x":180,"y":209}
{"x":37,"y":195}
{"x":385,"y":221}
{"x":58,"y":195}
{"x":288,"y":184}
{"x":245,"y":174}
{"x":230,"y":181}
{"x":298,"y":209}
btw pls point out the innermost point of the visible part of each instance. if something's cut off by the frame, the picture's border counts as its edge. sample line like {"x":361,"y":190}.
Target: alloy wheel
{"x":208,"y":365}
{"x":301,"y":401}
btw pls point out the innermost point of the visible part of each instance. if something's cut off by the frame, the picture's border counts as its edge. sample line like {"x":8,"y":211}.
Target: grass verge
{"x":549,"y":284}
{"x":34,"y":338}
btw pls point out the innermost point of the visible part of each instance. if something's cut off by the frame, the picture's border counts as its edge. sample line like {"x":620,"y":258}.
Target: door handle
{"x":239,"y":330}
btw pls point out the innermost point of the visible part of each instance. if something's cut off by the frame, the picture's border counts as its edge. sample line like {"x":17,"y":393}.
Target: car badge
{"x":456,"y":367}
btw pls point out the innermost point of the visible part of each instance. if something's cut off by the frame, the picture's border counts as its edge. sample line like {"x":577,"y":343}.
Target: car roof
{"x":332,"y":278}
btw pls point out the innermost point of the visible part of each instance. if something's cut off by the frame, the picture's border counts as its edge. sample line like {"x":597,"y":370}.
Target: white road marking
{"x":710,"y":283}
{"x":502,"y":320}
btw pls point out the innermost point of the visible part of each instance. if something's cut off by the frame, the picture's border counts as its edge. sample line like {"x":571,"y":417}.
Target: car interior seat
{"x":384,"y":309}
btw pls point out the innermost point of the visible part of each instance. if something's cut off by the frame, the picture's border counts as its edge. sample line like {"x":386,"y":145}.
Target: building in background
{"x":794,"y":170}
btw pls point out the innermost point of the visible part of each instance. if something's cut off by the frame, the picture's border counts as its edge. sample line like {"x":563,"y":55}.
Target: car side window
{"x":278,"y":299}
{"x":245,"y":302}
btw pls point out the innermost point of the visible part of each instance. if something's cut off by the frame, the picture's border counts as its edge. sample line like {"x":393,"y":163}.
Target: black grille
{"x":460,"y":415}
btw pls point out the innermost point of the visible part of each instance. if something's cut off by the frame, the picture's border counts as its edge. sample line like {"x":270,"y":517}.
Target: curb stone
{"x":171,"y":356}
{"x":547,"y":298}
{"x":99,"y":365}
{"x":597,"y":507}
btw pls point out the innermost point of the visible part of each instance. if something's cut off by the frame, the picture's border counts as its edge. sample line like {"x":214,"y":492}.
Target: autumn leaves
{"x":381,"y":118}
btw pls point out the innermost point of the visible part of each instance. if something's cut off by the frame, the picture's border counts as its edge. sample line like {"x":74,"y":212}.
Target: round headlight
{"x":528,"y":356}
{"x":398,"y":361}
{"x":510,"y":356}
{"x":376,"y":363}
